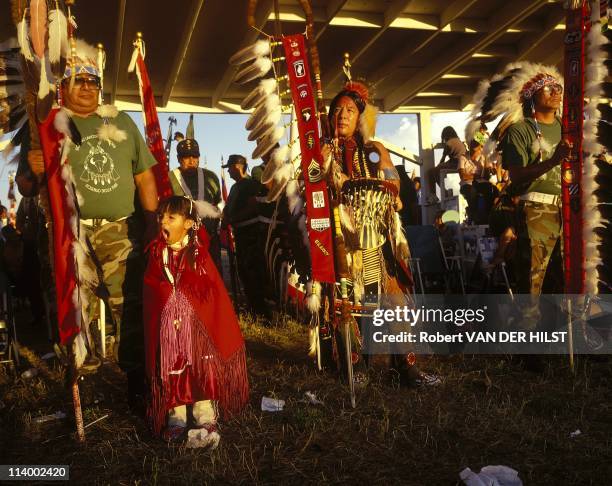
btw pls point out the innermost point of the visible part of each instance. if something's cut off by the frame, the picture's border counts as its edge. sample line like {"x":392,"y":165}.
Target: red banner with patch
{"x":152,"y":130}
{"x":317,"y":197}
{"x":571,"y":169}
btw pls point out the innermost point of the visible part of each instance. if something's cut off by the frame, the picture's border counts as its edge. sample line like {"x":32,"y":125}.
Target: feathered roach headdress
{"x":359,"y":93}
{"x":509,"y":93}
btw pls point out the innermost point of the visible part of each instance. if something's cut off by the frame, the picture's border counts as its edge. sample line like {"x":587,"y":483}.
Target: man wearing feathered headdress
{"x":377,"y":263}
{"x":529,"y":139}
{"x":109,"y":164}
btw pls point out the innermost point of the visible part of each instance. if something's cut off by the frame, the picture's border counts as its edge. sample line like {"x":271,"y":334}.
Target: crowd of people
{"x":157,"y":265}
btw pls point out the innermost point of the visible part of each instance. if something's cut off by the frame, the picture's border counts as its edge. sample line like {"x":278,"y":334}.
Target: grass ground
{"x":486,"y":411}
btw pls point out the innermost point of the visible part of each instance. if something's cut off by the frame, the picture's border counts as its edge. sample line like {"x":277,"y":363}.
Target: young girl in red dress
{"x":195,"y":354}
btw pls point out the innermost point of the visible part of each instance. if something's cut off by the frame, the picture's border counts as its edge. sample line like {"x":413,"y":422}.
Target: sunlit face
{"x":83,"y":98}
{"x":174,"y":227}
{"x":346,"y":117}
{"x":189,"y":163}
{"x":549,"y":97}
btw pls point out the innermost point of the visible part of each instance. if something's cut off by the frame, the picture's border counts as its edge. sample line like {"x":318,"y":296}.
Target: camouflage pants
{"x":117,"y":259}
{"x":538,"y":235}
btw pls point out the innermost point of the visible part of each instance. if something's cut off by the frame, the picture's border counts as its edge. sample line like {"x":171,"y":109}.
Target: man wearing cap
{"x":200,"y":184}
{"x":110,"y":165}
{"x":241,"y":213}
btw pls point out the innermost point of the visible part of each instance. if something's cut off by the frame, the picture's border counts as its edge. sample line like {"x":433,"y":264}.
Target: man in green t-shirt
{"x":200,"y":184}
{"x":110,"y":167}
{"x":532,"y":152}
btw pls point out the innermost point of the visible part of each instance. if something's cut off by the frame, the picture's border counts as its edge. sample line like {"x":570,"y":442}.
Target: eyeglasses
{"x":551,"y":89}
{"x":89,"y":82}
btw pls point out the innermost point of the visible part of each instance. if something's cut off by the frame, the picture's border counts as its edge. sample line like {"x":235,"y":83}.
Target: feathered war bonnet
{"x":359,"y":93}
{"x":86,"y":59}
{"x":507,"y":94}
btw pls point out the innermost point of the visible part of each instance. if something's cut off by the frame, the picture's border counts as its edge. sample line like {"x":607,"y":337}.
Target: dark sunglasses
{"x":90,"y":82}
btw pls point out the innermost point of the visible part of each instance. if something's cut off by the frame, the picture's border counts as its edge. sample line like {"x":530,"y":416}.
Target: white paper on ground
{"x":575,"y":433}
{"x":491,"y":476}
{"x":312,"y":398}
{"x":269,"y":404}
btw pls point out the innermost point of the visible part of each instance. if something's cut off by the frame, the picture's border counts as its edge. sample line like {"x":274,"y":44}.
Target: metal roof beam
{"x":333,"y":7}
{"x":450,"y":13}
{"x":194,"y":13}
{"x":533,"y":41}
{"x":118,"y":47}
{"x":512,"y":13}
{"x":261,"y":17}
{"x":392,"y":13}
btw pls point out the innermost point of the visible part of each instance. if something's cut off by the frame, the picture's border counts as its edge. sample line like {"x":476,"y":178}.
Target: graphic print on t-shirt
{"x":99,"y":174}
{"x":553,"y":176}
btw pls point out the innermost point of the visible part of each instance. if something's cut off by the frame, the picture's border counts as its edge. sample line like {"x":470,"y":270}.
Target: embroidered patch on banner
{"x":317,"y":205}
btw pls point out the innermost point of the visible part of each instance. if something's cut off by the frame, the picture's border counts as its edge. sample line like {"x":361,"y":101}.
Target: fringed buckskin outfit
{"x":193,"y":345}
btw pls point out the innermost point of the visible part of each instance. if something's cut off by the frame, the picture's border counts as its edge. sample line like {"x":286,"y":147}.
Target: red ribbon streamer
{"x":62,"y":212}
{"x":317,"y":198}
{"x":153,"y":131}
{"x":571,"y":170}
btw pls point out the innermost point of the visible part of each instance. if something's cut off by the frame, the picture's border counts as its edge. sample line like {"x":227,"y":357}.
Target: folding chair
{"x":425,"y":247}
{"x":9,"y":346}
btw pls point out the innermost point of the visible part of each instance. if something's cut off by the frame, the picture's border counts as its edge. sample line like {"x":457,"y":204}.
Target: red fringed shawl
{"x":207,"y":343}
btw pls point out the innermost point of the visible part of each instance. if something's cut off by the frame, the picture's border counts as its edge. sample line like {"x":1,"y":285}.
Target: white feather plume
{"x":259,"y":68}
{"x":266,"y":144}
{"x":109,"y":132}
{"x":62,"y":122}
{"x":279,"y":181}
{"x":206,"y":210}
{"x":24,"y":39}
{"x":262,"y":90}
{"x":258,"y":49}
{"x":313,"y":296}
{"x":278,"y":157}
{"x":58,"y":35}
{"x":264,"y":111}
{"x":107,"y":111}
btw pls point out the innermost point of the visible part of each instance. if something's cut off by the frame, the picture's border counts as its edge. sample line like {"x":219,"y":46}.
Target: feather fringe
{"x":346,"y":219}
{"x":38,"y":26}
{"x":278,"y":157}
{"x":258,"y":49}
{"x":228,"y":375}
{"x":79,"y":350}
{"x":259,"y":68}
{"x":279,"y":182}
{"x":264,"y":88}
{"x":262,"y":131}
{"x":24,"y":40}
{"x":263,"y":111}
{"x":268,"y":143}
{"x":58,"y":36}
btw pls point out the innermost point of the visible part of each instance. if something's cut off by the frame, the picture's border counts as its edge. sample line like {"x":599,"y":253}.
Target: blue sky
{"x":220,"y":135}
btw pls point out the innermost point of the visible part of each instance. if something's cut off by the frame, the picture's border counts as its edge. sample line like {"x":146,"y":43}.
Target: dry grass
{"x":487,"y":411}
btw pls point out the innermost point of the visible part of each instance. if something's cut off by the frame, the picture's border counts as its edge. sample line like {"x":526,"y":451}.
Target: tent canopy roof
{"x":416,"y":54}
